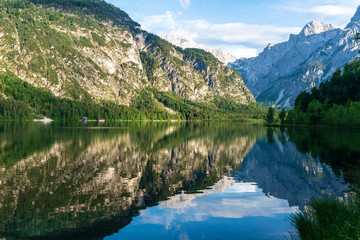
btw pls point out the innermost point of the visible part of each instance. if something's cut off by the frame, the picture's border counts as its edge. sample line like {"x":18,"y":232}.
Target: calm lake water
{"x":144,"y":180}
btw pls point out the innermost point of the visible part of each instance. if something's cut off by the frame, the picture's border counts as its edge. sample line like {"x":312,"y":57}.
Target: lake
{"x":157,"y":180}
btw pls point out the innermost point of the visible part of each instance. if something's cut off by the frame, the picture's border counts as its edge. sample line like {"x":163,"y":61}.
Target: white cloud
{"x":185,"y":3}
{"x":241,"y":51}
{"x":343,"y":3}
{"x":241,"y":40}
{"x":325,"y":10}
{"x":239,"y":33}
{"x":331,"y":11}
{"x":165,"y":22}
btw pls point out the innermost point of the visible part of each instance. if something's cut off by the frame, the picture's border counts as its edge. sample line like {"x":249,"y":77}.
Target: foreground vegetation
{"x":329,"y":218}
{"x":20,"y":100}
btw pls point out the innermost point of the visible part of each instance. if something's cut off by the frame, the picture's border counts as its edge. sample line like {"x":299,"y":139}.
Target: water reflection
{"x":89,"y":182}
{"x":236,"y":210}
{"x":337,"y":147}
{"x":283,"y":172}
{"x":162,"y":180}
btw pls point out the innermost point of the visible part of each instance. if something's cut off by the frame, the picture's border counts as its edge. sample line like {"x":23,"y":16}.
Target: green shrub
{"x":99,"y":39}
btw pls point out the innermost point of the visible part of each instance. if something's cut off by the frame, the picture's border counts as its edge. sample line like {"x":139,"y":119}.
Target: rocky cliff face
{"x":79,"y":49}
{"x":283,"y":70}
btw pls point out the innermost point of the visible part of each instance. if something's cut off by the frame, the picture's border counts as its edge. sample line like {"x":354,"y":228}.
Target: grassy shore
{"x":329,"y":218}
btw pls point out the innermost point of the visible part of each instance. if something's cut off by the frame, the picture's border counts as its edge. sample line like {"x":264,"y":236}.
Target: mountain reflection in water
{"x":158,"y":180}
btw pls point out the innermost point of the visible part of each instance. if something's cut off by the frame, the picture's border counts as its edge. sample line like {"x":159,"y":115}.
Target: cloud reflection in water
{"x":238,"y":209}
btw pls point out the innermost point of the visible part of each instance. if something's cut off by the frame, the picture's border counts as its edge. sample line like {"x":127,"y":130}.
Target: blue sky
{"x":241,"y":27}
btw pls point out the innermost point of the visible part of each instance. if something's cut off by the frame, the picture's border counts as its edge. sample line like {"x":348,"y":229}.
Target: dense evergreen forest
{"x":335,"y":102}
{"x":20,"y":100}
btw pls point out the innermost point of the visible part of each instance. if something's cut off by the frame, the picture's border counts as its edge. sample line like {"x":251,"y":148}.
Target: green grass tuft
{"x":329,"y":218}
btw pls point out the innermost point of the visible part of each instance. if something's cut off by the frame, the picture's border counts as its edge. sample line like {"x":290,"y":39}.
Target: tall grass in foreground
{"x":329,"y":218}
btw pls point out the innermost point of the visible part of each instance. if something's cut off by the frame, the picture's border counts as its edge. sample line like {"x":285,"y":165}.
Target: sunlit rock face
{"x":285,"y":69}
{"x":88,"y":183}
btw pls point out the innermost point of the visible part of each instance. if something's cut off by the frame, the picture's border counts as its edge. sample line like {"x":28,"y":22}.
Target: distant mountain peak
{"x":184,"y":43}
{"x":315,"y":27}
{"x":281,"y":72}
{"x":355,"y":19}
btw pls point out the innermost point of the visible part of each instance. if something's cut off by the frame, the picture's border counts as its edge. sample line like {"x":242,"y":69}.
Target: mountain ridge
{"x":315,"y":27}
{"x":285,"y":69}
{"x":355,"y":19}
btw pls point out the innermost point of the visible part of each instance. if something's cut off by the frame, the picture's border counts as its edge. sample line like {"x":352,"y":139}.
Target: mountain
{"x":184,"y":43}
{"x":283,"y":70}
{"x":89,"y":50}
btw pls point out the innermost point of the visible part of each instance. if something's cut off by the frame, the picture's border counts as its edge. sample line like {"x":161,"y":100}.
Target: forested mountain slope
{"x":92,"y":51}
